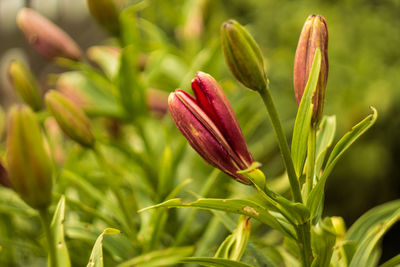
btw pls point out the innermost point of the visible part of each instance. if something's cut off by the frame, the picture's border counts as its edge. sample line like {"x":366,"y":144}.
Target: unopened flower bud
{"x":70,"y":117}
{"x":106,"y":14}
{"x":210,"y":126}
{"x":313,"y":35}
{"x":242,"y":55}
{"x":45,"y":37}
{"x":25,"y":84}
{"x":28,"y":164}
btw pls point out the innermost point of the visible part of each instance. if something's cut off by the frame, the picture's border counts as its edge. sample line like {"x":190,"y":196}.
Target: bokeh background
{"x":364,"y":59}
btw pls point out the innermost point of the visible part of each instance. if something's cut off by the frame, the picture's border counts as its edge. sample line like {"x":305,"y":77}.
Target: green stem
{"x":46,"y":222}
{"x":109,"y":175}
{"x":282,"y":142}
{"x":304,"y":242}
{"x":310,"y":160}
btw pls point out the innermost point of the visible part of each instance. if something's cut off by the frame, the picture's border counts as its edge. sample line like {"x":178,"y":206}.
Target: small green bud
{"x":243,"y":56}
{"x":25,"y":84}
{"x":28,"y":164}
{"x":70,"y":117}
{"x":106,"y":14}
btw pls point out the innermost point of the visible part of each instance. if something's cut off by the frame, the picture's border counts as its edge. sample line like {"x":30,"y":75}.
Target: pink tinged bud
{"x":28,"y":164}
{"x":314,"y":35}
{"x":210,"y":126}
{"x":70,"y":117}
{"x":45,"y":37}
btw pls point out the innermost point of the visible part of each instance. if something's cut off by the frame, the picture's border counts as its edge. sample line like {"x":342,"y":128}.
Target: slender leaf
{"x":316,"y":195}
{"x":304,"y":114}
{"x":215,"y":262}
{"x":164,"y":257}
{"x":325,"y":136}
{"x":96,"y":257}
{"x":393,"y":262}
{"x":57,"y":229}
{"x":368,"y":230}
{"x":238,"y":206}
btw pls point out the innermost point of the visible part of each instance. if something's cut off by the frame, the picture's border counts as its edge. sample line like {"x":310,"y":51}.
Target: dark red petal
{"x":199,"y":135}
{"x":212,"y":100}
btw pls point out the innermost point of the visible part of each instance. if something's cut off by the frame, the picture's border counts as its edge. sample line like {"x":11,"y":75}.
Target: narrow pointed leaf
{"x":96,"y":257}
{"x":304,"y":114}
{"x":325,"y":137}
{"x":238,"y":206}
{"x":57,"y":229}
{"x":166,"y":257}
{"x":215,"y":262}
{"x":316,"y":195}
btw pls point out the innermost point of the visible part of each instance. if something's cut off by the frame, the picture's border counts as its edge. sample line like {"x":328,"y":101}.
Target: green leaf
{"x":238,"y":206}
{"x":166,"y":257}
{"x":368,"y":230}
{"x":325,"y":136}
{"x":96,"y":257}
{"x":295,"y":213}
{"x":57,"y":229}
{"x":304,"y":114}
{"x":372,"y":218}
{"x":131,"y":93}
{"x":315,"y":197}
{"x":393,"y":262}
{"x":323,"y":238}
{"x":215,"y":262}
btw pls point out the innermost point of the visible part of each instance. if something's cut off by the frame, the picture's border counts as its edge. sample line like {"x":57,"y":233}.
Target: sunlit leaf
{"x":302,"y":124}
{"x":96,"y":257}
{"x":215,"y":262}
{"x":316,"y":195}
{"x":57,"y":229}
{"x":166,"y":257}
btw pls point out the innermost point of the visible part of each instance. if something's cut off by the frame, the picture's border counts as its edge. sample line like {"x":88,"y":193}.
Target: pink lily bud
{"x":210,"y":126}
{"x":314,"y":35}
{"x":45,"y":37}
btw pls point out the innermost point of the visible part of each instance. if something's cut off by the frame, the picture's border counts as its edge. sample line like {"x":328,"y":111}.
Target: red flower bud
{"x":314,"y":35}
{"x":45,"y":37}
{"x":210,"y":126}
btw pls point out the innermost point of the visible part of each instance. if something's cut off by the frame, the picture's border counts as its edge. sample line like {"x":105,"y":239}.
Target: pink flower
{"x":210,"y":126}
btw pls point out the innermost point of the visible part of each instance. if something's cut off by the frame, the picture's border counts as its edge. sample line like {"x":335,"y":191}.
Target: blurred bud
{"x":340,"y":227}
{"x":70,"y":117}
{"x":28,"y":164}
{"x":55,"y":137}
{"x":313,"y":35}
{"x":47,"y":38}
{"x":65,"y":85}
{"x":4,"y":180}
{"x":106,"y":14}
{"x":194,"y":25}
{"x":242,"y":55}
{"x":25,"y":84}
{"x":210,"y":126}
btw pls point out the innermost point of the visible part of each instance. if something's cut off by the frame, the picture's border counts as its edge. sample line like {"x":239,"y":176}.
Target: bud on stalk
{"x":314,"y":35}
{"x":45,"y":37}
{"x":106,"y":14}
{"x":242,"y":55}
{"x":71,"y":118}
{"x":25,"y":84}
{"x":28,"y":164}
{"x":210,"y":126}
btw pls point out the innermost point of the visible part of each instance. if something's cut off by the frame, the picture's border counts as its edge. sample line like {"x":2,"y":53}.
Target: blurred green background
{"x":364,"y":57}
